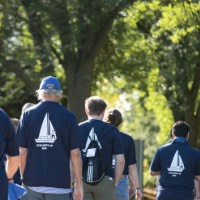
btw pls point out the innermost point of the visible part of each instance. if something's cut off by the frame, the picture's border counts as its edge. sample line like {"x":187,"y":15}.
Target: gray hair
{"x":48,"y":92}
{"x":26,"y":106}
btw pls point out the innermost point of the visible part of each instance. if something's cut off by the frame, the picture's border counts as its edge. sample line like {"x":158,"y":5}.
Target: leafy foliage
{"x":157,"y":54}
{"x":141,"y":56}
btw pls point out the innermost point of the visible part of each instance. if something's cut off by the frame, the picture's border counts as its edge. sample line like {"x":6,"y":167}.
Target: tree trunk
{"x":186,"y":105}
{"x":79,"y":78}
{"x":194,"y":122}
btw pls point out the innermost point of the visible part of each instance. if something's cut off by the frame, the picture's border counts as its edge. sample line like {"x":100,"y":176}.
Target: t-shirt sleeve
{"x":197,"y":167}
{"x":131,"y":153}
{"x":21,"y":132}
{"x":118,"y":147}
{"x":75,"y":136}
{"x":156,"y":164}
{"x":12,"y":147}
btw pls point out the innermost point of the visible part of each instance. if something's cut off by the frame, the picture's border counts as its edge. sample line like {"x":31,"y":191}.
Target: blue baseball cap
{"x":50,"y":82}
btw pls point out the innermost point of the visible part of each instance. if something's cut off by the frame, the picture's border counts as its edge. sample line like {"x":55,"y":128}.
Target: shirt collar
{"x":180,"y":140}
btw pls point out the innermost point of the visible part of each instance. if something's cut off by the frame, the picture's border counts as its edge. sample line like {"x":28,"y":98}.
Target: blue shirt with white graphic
{"x":9,"y":146}
{"x":178,"y":164}
{"x":129,"y":151}
{"x":49,"y":131}
{"x":109,"y":138}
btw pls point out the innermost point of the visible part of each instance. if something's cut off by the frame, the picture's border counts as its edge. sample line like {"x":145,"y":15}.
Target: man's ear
{"x":87,"y":111}
{"x":103,"y":113}
{"x":188,"y":135}
{"x":101,"y":116}
{"x":173,"y":135}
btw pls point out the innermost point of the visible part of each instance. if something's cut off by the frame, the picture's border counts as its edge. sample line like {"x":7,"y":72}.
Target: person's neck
{"x":50,"y":99}
{"x":97,"y":117}
{"x":180,"y":138}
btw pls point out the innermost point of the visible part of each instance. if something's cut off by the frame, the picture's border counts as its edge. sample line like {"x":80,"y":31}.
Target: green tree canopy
{"x":39,"y":36}
{"x":152,"y":46}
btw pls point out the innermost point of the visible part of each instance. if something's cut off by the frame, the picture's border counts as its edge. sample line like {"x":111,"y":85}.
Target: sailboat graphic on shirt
{"x":47,"y":132}
{"x":177,"y":163}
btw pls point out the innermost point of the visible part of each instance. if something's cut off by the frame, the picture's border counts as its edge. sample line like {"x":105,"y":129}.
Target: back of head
{"x":113,"y":117}
{"x":95,"y":105}
{"x":49,"y":86}
{"x":26,"y":106}
{"x":181,"y":129}
{"x":15,"y":122}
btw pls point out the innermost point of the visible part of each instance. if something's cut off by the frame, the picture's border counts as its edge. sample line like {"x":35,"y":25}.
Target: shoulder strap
{"x":87,"y":130}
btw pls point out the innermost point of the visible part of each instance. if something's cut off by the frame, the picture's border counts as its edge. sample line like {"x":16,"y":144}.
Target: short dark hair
{"x":180,"y":129}
{"x":95,"y":105}
{"x":113,"y":117}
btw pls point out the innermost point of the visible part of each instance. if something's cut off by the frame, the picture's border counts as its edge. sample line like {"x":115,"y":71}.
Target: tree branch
{"x":94,"y":42}
{"x":38,"y":35}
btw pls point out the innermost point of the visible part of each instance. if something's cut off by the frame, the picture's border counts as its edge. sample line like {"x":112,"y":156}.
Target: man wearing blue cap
{"x":48,"y":135}
{"x":8,"y":146}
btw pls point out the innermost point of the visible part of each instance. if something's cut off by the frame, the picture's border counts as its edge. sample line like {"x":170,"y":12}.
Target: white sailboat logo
{"x":92,"y":136}
{"x":47,"y":132}
{"x":177,"y":163}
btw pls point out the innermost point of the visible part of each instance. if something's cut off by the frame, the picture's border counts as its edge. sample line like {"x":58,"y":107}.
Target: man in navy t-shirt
{"x":48,"y":135}
{"x":8,"y":146}
{"x":178,"y":164}
{"x":109,"y":140}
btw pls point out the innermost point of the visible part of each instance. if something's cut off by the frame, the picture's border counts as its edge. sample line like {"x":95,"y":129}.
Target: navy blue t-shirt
{"x":49,"y":132}
{"x":178,"y":164}
{"x":109,"y":138}
{"x":129,"y":151}
{"x":9,"y":146}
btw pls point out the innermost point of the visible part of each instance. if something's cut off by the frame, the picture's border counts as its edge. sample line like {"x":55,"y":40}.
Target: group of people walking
{"x":52,"y":143}
{"x":54,"y":150}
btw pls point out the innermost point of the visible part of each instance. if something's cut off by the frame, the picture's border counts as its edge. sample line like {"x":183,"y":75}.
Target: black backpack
{"x":93,"y":169}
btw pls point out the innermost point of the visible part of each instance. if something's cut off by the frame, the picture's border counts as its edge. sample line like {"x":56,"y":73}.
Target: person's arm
{"x":197,"y":178}
{"x":77,"y":169}
{"x":119,"y":167}
{"x":134,"y":175}
{"x":154,"y":173}
{"x":72,"y":178}
{"x":197,"y":190}
{"x":12,"y":165}
{"x":131,"y":187}
{"x":23,"y":156}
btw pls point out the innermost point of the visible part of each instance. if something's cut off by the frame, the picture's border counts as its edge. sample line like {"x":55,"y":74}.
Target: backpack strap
{"x":87,"y":130}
